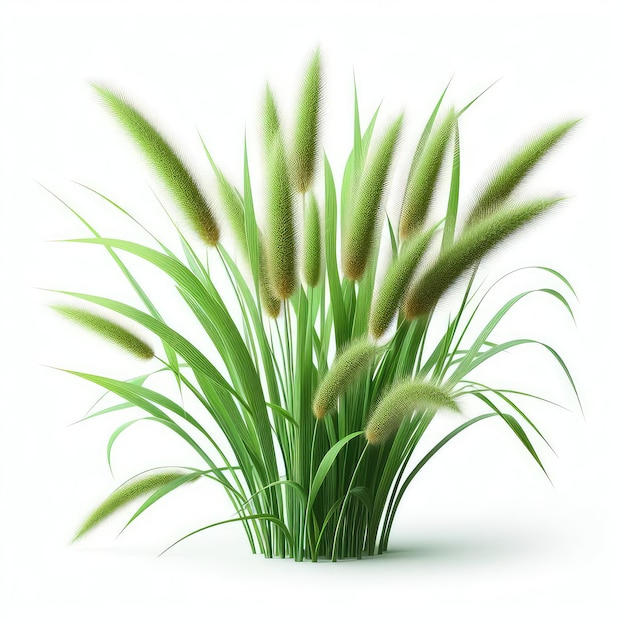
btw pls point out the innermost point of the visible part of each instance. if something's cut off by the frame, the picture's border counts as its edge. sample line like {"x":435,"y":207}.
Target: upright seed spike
{"x":312,"y":257}
{"x":423,"y":178}
{"x":362,"y":223}
{"x":396,"y":281}
{"x":305,"y":145}
{"x":281,"y":241}
{"x":270,"y":120}
{"x":269,"y":300}
{"x":233,"y":207}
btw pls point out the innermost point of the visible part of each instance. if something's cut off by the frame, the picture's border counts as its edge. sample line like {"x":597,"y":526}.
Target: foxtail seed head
{"x":423,"y":178}
{"x":108,"y":330}
{"x":270,"y":120}
{"x":312,"y":242}
{"x":281,"y":238}
{"x":472,"y":245}
{"x":362,"y":224}
{"x":167,"y":164}
{"x":400,"y":402}
{"x":305,"y":146}
{"x":514,"y":170}
{"x":269,"y":300}
{"x":347,"y":368}
{"x":125,"y":494}
{"x":233,"y":207}
{"x":396,"y":282}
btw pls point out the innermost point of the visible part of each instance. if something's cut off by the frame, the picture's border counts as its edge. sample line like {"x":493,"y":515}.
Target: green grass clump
{"x":324,"y":370}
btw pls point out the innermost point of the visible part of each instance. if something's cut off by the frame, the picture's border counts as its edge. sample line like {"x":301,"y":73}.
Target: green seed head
{"x":108,"y":330}
{"x":269,"y":300}
{"x":232,"y":206}
{"x":362,"y":224}
{"x":312,"y":242}
{"x":305,"y":146}
{"x":125,"y":494}
{"x":515,"y":170}
{"x":270,"y":120}
{"x":396,"y":282}
{"x":472,"y":245}
{"x":167,"y":164}
{"x":347,"y":368}
{"x":400,"y":402}
{"x":281,"y":238}
{"x":423,"y":178}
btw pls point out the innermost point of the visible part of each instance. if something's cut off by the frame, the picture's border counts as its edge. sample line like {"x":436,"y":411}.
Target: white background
{"x":482,"y":536}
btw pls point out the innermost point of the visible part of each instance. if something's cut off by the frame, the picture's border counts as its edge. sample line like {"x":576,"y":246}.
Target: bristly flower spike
{"x":362,"y":224}
{"x":281,"y":237}
{"x":167,"y":164}
{"x":107,"y":329}
{"x":402,"y":400}
{"x":472,"y":245}
{"x":423,"y":179}
{"x":346,"y":368}
{"x":509,"y":175}
{"x":312,"y":257}
{"x":306,"y":134}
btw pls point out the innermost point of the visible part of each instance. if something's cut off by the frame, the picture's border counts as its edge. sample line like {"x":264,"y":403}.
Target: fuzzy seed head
{"x":400,"y":402}
{"x":423,"y":179}
{"x":396,"y":282}
{"x":363,"y":223}
{"x":270,"y":120}
{"x":305,"y":146}
{"x":232,"y":206}
{"x":167,"y":164}
{"x":347,"y":368}
{"x":515,"y":170}
{"x":312,"y":242}
{"x":125,"y":494}
{"x":108,"y":330}
{"x":269,"y":300}
{"x":281,"y":238}
{"x":472,"y":245}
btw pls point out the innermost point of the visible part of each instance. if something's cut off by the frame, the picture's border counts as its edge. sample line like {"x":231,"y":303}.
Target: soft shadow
{"x":470,"y":545}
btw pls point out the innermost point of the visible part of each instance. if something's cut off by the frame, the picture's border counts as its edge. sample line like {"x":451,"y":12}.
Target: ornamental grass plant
{"x":329,"y":369}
